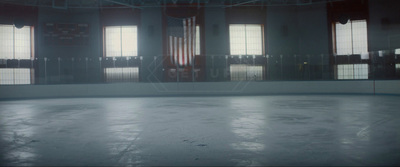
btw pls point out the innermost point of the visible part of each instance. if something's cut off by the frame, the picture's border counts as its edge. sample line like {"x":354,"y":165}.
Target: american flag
{"x":182,"y":40}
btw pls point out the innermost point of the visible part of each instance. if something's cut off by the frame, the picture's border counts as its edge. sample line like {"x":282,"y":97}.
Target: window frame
{"x":397,"y":67}
{"x":243,"y":70}
{"x":31,"y":41}
{"x":121,"y":55}
{"x":246,"y":47}
{"x":18,"y":74}
{"x":134,"y":74}
{"x":133,"y":70}
{"x":334,"y":37}
{"x":354,"y":76}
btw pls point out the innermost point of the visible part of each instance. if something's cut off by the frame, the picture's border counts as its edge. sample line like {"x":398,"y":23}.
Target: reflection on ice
{"x":123,"y":126}
{"x":18,"y":133}
{"x":248,"y":125}
{"x":21,"y":156}
{"x":201,"y":131}
{"x":251,"y":146}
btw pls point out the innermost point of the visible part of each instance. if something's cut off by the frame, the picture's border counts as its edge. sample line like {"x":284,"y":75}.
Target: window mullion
{"x":120,"y":38}
{"x":13,"y":72}
{"x":31,"y":42}
{"x":352,"y":40}
{"x":13,"y":42}
{"x":245,"y":39}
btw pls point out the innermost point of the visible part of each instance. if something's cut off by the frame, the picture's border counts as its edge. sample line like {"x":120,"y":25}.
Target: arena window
{"x":246,"y":39}
{"x":352,"y":71}
{"x":240,"y":72}
{"x":351,"y":38}
{"x":397,"y":51}
{"x":121,"y":41}
{"x":397,"y":68}
{"x":16,"y":43}
{"x":125,"y":74}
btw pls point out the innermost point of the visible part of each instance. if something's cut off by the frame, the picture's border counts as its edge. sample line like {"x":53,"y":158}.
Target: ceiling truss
{"x":141,"y":4}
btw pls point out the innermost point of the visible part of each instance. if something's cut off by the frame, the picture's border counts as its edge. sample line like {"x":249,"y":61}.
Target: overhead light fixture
{"x":343,"y":19}
{"x":19,"y":22}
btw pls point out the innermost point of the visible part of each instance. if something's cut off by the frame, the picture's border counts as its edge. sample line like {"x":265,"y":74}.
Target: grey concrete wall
{"x":216,"y":35}
{"x":199,"y":89}
{"x":297,"y":30}
{"x":92,"y":50}
{"x":289,"y":30}
{"x":294,"y":35}
{"x":313,"y":29}
{"x":282,"y":33}
{"x":87,"y":16}
{"x":216,"y":42}
{"x":150,"y":45}
{"x":383,"y":25}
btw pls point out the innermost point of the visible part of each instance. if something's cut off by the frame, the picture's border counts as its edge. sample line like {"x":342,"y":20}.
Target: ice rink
{"x":207,"y":131}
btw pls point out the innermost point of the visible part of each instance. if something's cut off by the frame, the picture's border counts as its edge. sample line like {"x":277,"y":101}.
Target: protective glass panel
{"x":127,"y":74}
{"x":364,"y":56}
{"x":240,"y":72}
{"x":255,"y":72}
{"x":352,"y":71}
{"x":345,"y":71}
{"x":11,"y":76}
{"x":360,"y":71}
{"x":22,"y":76}
{"x":6,"y":76}
{"x":130,"y":74}
{"x":397,"y":51}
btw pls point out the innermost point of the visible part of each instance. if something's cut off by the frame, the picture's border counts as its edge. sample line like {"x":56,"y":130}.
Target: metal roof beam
{"x":125,"y":4}
{"x":241,"y":3}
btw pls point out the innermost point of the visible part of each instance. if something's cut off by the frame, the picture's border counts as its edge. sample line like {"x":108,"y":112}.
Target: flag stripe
{"x":193,"y":39}
{"x":179,"y":52}
{"x":171,"y":51}
{"x":182,"y":40}
{"x":182,"y":54}
{"x":190,"y":39}
{"x":187,"y":41}
{"x":184,"y":57}
{"x":175,"y":50}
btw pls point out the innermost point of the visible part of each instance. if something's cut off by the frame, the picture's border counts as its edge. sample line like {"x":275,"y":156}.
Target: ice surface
{"x":229,"y":131}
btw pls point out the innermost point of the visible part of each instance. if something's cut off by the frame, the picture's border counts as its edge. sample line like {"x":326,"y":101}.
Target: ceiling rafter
{"x":242,"y":3}
{"x":123,"y":3}
{"x":141,"y":4}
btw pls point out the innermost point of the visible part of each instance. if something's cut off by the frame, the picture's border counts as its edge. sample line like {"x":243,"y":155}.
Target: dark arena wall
{"x":298,"y":41}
